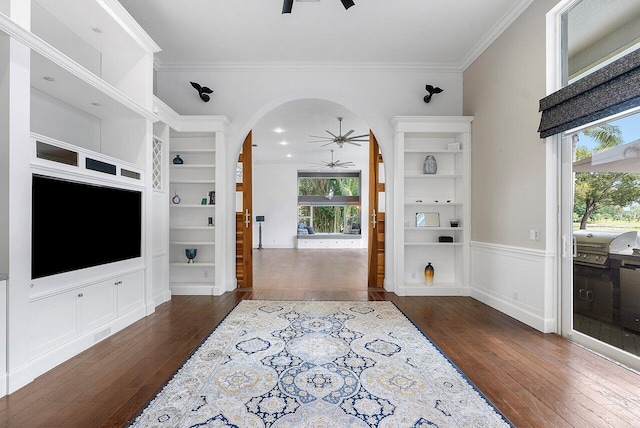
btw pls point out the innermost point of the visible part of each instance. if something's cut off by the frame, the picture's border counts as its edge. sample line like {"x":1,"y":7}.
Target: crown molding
{"x":119,"y":14}
{"x":189,"y":123}
{"x":307,"y":67}
{"x":495,"y":32}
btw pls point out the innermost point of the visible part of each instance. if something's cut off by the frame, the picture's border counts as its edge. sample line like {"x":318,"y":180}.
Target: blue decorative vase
{"x":191,"y":254}
{"x":178,"y":160}
{"x":430,"y":165}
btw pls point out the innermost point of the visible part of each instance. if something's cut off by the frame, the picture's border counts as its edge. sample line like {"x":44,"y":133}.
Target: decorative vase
{"x":191,"y":254}
{"x":178,"y":160}
{"x":428,"y":274}
{"x":430,"y":165}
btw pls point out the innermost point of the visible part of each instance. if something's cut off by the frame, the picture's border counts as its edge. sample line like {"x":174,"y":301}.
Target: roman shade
{"x":612,"y":89}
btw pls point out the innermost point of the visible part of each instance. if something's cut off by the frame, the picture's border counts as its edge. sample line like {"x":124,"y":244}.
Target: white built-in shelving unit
{"x":77,"y":77}
{"x":443,"y":196}
{"x":189,"y":220}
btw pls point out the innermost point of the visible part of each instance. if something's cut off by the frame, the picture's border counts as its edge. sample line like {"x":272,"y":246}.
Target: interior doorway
{"x":284,"y":142}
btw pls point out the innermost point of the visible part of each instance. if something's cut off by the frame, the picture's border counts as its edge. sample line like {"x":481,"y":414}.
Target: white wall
{"x":52,"y":118}
{"x":509,"y":190}
{"x":275,"y":195}
{"x":502,"y":89}
{"x":246,"y":94}
{"x":4,"y":154}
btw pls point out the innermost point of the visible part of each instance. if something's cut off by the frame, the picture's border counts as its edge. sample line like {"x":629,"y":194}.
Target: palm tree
{"x":593,"y":190}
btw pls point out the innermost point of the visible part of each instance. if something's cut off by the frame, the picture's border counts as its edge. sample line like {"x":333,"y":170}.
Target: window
{"x":329,"y":202}
{"x":596,"y":33}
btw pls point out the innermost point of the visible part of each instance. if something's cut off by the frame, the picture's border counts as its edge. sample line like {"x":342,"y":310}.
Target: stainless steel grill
{"x":594,"y":247}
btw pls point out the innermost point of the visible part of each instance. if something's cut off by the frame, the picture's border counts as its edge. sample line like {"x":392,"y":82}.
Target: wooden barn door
{"x":244,"y":225}
{"x":376,"y":216}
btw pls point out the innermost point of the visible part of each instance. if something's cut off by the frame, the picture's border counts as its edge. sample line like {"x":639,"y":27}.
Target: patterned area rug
{"x":318,"y":364}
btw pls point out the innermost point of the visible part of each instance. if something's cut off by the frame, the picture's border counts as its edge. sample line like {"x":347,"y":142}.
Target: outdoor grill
{"x":593,"y":290}
{"x":594,"y":247}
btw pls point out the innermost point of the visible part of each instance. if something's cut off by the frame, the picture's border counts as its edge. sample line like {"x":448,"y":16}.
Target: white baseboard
{"x":192,"y":290}
{"x":516,"y":281}
{"x":161,"y":297}
{"x":3,"y":385}
{"x":19,"y":377}
{"x":431,"y":290}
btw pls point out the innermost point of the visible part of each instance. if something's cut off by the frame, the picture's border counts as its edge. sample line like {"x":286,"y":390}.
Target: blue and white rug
{"x":318,"y":364}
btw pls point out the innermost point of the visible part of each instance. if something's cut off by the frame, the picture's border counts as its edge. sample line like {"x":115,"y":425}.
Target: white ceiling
{"x":299,"y":120}
{"x":434,"y":34}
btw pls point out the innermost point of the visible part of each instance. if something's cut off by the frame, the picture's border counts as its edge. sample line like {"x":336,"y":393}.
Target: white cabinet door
{"x":130,"y":292}
{"x":54,"y":321}
{"x":98,"y":304}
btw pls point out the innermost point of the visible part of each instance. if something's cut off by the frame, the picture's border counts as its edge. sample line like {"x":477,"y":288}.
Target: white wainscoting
{"x":516,"y":281}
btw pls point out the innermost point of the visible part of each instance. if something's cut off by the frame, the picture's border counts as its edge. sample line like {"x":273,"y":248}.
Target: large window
{"x":329,"y":202}
{"x":596,"y":33}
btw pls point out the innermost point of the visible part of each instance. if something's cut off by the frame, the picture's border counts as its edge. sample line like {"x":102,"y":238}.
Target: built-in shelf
{"x":433,"y":151}
{"x":193,"y":182}
{"x":183,"y":166}
{"x":431,"y":176}
{"x":444,"y":194}
{"x":432,"y":244}
{"x":193,"y":151}
{"x":432,"y":228}
{"x":195,"y":264}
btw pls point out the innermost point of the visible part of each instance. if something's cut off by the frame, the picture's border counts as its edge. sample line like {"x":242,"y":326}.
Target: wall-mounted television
{"x":77,"y":225}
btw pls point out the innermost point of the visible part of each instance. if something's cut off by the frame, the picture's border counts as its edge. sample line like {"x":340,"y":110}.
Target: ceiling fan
{"x":340,"y":139}
{"x":287,"y":5}
{"x":335,"y":164}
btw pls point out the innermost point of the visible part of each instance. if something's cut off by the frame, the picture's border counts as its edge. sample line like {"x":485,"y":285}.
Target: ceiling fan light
{"x":347,"y":3}
{"x":287,"y":6}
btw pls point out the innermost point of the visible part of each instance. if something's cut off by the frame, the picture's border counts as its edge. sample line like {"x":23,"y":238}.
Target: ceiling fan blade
{"x":347,"y":3}
{"x":287,"y":6}
{"x":332,"y":134}
{"x":330,"y":142}
{"x":355,"y":144}
{"x":349,"y":133}
{"x":360,"y":136}
{"x":322,"y":137}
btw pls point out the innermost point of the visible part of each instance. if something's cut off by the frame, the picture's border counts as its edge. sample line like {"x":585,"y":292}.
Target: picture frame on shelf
{"x":427,"y":219}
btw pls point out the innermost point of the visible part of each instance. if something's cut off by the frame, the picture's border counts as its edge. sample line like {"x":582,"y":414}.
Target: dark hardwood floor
{"x":535,"y":379}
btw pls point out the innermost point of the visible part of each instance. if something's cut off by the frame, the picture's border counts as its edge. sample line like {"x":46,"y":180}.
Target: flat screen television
{"x":78,"y":225}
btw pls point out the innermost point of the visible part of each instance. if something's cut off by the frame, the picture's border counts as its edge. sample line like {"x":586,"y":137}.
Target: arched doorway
{"x":281,"y":149}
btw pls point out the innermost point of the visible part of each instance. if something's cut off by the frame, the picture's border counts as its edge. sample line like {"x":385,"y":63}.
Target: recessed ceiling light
{"x":278,"y":130}
{"x":96,"y":30}
{"x":283,"y":143}
{"x":95,"y":104}
{"x":289,"y":155}
{"x":48,"y":78}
